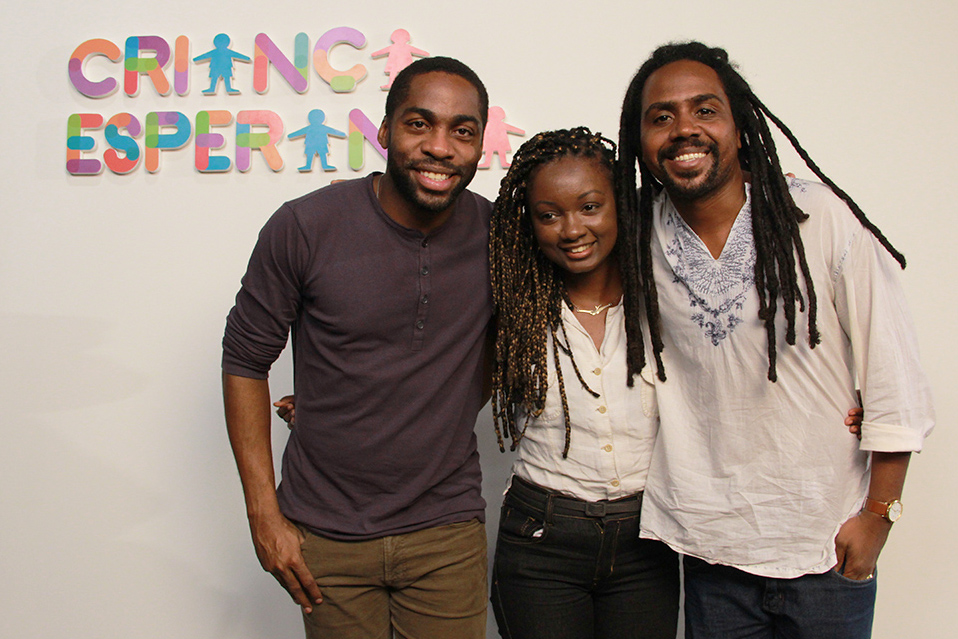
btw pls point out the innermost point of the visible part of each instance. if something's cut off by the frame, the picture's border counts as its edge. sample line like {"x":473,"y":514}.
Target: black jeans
{"x":565,"y":569}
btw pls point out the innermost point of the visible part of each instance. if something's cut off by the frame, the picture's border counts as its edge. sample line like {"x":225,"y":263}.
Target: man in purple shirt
{"x":377,"y":524}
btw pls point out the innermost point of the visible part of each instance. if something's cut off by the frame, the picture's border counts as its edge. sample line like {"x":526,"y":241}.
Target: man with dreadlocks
{"x":766,"y":299}
{"x":376,"y":526}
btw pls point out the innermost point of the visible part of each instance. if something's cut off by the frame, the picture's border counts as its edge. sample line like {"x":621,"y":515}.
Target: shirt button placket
{"x":423,"y":307}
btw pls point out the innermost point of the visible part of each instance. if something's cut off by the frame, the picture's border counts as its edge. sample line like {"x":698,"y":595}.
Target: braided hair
{"x":528,"y":290}
{"x":775,"y":216}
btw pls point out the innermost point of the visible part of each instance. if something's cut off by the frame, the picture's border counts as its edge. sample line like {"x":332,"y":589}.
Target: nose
{"x":572,"y":228}
{"x":685,"y":125}
{"x":437,"y":144}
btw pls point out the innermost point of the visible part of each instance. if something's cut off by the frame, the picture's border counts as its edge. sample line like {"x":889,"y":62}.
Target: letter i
{"x":181,"y":66}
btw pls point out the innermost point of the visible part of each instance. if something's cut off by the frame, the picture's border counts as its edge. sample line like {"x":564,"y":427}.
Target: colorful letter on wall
{"x":156,"y":141}
{"x":205,"y":163}
{"x":361,"y":128}
{"x":340,"y":81}
{"x":89,"y":48}
{"x":248,"y":141}
{"x":77,"y":143}
{"x":124,"y":143}
{"x":181,"y":66}
{"x":296,"y":73}
{"x":135,"y":66}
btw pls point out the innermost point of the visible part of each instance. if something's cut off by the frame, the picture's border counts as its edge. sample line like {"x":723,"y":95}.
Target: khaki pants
{"x":428,"y":584}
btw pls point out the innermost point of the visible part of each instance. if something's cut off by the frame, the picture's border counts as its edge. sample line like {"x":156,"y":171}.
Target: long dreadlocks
{"x":775,"y":216}
{"x":528,"y":290}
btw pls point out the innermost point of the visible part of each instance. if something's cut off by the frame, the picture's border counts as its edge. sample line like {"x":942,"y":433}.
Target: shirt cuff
{"x":890,"y":438}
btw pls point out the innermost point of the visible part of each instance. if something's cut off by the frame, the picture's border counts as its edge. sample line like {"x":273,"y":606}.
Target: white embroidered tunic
{"x":761,"y":475}
{"x":612,"y":435}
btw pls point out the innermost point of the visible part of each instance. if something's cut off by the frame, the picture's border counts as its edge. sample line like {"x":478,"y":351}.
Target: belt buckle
{"x":595,"y":508}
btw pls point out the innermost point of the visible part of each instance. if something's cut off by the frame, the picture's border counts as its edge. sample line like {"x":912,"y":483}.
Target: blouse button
{"x":597,"y":371}
{"x":614,"y":482}
{"x":602,"y":409}
{"x":607,"y":448}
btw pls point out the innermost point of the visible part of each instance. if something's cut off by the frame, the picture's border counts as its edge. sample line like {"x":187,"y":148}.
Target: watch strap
{"x":890,"y":510}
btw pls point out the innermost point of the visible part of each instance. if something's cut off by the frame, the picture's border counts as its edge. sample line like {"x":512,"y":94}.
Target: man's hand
{"x":861,"y":538}
{"x":286,"y":409}
{"x":278,"y":546}
{"x":858,"y":544}
{"x":277,"y":541}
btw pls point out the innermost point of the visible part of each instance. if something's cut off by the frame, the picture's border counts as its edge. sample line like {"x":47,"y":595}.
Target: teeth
{"x":689,"y":156}
{"x":437,"y":177}
{"x":580,"y":249}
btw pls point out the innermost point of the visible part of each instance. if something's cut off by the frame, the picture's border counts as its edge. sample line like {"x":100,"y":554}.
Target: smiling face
{"x":571,"y":204}
{"x":689,"y":139}
{"x":434,"y":141}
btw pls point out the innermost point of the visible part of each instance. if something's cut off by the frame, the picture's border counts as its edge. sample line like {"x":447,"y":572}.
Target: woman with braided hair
{"x":569,"y":561}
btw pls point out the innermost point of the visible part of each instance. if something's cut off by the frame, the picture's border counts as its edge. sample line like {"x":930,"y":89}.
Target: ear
{"x":383,"y":136}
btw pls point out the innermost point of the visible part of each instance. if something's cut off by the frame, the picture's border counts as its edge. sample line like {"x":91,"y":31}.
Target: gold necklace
{"x":593,"y":311}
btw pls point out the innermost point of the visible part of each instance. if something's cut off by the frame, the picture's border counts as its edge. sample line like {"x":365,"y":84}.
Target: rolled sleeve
{"x":267,"y":304}
{"x":896,"y":394}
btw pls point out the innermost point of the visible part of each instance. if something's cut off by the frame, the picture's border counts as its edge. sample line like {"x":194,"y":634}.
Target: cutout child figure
{"x":496,"y":138}
{"x":400,"y":55}
{"x":317,"y":140}
{"x":221,"y":64}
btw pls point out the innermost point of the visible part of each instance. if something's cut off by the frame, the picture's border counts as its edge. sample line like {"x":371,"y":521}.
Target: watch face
{"x":894,"y":511}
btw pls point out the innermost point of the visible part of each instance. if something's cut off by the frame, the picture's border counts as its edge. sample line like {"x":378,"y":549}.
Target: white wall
{"x":122,"y":511}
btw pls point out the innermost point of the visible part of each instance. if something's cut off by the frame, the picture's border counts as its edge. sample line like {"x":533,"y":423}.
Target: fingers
{"x":299,"y":583}
{"x":310,"y":586}
{"x":840,"y":558}
{"x":857,"y":567}
{"x":278,"y":546}
{"x":286,"y":409}
{"x":854,"y":421}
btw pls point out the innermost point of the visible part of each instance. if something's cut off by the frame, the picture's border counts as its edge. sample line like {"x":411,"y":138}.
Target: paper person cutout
{"x":400,"y":54}
{"x":221,"y":63}
{"x":496,"y":138}
{"x":317,"y":140}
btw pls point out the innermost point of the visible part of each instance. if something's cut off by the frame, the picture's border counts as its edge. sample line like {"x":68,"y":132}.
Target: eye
{"x":417,"y":124}
{"x":546,"y":217}
{"x":661,"y":118}
{"x":707,"y":111}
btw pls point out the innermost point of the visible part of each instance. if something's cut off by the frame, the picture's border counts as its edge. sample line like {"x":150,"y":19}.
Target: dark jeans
{"x":726,"y":603}
{"x":580,"y":575}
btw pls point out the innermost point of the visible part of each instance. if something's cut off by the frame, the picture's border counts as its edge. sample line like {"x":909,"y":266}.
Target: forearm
{"x":277,"y":541}
{"x":888,"y":475}
{"x":248,"y":416}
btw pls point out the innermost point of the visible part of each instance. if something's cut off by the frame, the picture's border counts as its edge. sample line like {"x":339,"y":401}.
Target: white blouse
{"x":612,"y":435}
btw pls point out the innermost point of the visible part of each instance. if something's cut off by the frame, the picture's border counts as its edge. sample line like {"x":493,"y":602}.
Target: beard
{"x":687,"y":187}
{"x":410,"y":190}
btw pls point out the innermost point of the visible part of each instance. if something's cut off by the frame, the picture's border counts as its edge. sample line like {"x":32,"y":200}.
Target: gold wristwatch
{"x":890,"y":510}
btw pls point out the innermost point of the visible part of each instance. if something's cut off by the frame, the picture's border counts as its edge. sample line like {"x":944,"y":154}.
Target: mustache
{"x":684,"y":146}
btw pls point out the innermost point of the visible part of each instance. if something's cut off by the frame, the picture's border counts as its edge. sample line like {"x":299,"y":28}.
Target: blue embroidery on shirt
{"x":717,"y":288}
